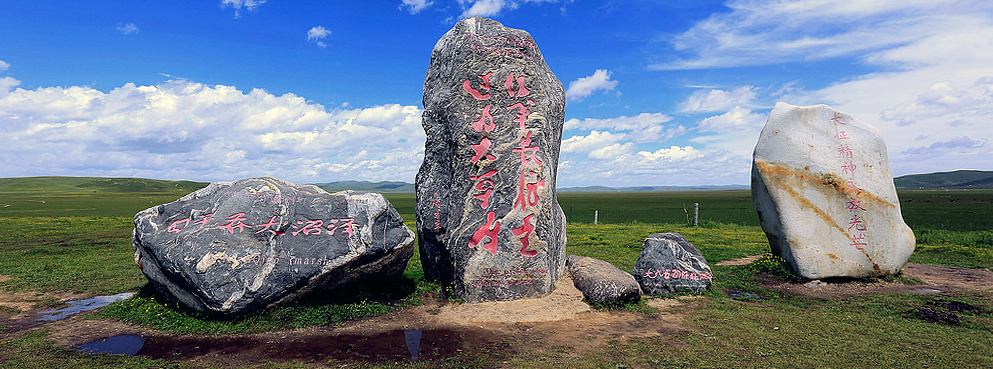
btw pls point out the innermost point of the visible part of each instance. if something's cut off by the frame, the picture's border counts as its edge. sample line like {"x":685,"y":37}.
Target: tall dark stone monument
{"x":488,"y":220}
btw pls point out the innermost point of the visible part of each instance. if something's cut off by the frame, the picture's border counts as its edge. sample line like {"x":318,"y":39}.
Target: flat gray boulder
{"x":236,"y":247}
{"x":823,"y":189}
{"x":601,"y":282}
{"x":488,"y":221}
{"x":669,"y":263}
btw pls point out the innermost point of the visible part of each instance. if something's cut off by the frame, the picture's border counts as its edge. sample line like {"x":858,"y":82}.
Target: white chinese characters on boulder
{"x":824,"y":193}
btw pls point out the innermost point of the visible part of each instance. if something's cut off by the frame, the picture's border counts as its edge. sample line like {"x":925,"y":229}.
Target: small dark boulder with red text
{"x":669,"y":263}
{"x":233,"y":248}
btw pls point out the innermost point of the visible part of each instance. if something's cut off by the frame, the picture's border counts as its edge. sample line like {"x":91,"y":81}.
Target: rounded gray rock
{"x":236,"y":247}
{"x":601,"y":282}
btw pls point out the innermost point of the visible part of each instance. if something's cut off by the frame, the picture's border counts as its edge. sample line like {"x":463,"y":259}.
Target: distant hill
{"x":653,"y":188}
{"x":381,"y":187}
{"x":959,"y":179}
{"x":77,"y":184}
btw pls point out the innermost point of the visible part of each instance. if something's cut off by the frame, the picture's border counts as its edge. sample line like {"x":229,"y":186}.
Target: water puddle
{"x":413,"y":343}
{"x":123,"y":344}
{"x":392,"y":346}
{"x":76,"y":307}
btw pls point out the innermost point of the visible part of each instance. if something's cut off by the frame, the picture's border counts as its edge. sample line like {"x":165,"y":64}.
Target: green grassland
{"x":73,"y":235}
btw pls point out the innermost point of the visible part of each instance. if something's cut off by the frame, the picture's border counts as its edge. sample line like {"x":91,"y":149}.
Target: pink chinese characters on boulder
{"x":236,"y":247}
{"x":486,"y":190}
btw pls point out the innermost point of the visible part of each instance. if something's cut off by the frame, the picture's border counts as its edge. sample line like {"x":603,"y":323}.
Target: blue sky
{"x":659,"y":92}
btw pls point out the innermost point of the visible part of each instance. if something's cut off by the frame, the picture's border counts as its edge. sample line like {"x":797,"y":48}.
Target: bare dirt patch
{"x":18,"y":309}
{"x":740,"y":261}
{"x":937,"y":279}
{"x":560,"y":324}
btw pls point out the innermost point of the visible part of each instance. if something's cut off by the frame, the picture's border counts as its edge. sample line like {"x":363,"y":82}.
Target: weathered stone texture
{"x":237,"y":247}
{"x":488,"y":220}
{"x":601,"y":282}
{"x":668,"y":263}
{"x":824,"y":193}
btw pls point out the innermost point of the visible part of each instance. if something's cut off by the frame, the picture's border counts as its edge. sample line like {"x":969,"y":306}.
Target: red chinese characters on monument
{"x":236,"y":223}
{"x":529,"y":179}
{"x":489,"y":232}
{"x":857,"y":230}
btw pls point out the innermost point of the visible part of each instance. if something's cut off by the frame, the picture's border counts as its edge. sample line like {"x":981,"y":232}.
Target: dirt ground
{"x":560,"y":323}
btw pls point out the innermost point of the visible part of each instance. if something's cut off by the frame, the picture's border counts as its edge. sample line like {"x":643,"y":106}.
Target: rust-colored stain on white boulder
{"x":824,"y":192}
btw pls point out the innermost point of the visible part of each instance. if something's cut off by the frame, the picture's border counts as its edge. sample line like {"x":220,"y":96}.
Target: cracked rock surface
{"x":236,"y":247}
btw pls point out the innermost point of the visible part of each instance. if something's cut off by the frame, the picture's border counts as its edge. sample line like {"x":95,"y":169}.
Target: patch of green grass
{"x":968,"y":249}
{"x":637,"y":307}
{"x":656,"y":207}
{"x":150,"y":309}
{"x":80,"y":255}
{"x":620,"y":244}
{"x":860,"y":332}
{"x":955,"y":210}
{"x":44,"y":251}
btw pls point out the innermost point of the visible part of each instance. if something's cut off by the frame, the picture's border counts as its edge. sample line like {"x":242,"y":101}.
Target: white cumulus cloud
{"x":716,"y":100}
{"x":930,"y":61}
{"x":415,"y":6}
{"x":585,"y":86}
{"x":621,"y":165}
{"x":757,"y":32}
{"x":644,"y":127}
{"x":249,"y":5}
{"x":944,"y":99}
{"x":186,"y":130}
{"x":4,"y":66}
{"x":128,"y":29}
{"x":595,"y":140}
{"x":736,"y":120}
{"x":317,"y":35}
{"x":484,"y":8}
{"x":490,"y":8}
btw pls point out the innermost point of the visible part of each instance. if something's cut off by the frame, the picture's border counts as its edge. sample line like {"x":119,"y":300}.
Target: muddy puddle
{"x":122,"y":344}
{"x":392,"y":346}
{"x":76,"y":307}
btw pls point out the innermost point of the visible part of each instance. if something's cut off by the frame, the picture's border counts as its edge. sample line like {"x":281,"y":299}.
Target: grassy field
{"x":58,"y":237}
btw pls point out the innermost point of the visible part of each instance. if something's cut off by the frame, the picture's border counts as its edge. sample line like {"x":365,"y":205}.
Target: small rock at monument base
{"x":488,"y":220}
{"x":825,"y":197}
{"x":233,"y":248}
{"x":601,"y":282}
{"x":669,"y":263}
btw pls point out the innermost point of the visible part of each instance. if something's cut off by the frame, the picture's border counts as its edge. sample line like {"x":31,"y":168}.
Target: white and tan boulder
{"x":824,"y":193}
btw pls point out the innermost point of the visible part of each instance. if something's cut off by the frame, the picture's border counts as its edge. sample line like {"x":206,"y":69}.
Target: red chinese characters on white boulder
{"x":825,"y":196}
